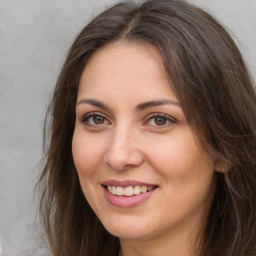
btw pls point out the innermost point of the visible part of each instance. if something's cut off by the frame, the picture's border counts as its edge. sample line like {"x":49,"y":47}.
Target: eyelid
{"x":170,"y":119}
{"x":86,"y":116}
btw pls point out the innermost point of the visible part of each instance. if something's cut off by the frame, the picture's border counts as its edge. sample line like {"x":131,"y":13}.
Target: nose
{"x":124,"y":150}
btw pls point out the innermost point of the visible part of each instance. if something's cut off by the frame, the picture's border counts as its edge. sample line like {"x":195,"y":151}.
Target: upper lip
{"x":126,"y":183}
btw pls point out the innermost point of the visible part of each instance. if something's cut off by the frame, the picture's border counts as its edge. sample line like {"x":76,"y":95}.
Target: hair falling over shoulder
{"x":218,"y":98}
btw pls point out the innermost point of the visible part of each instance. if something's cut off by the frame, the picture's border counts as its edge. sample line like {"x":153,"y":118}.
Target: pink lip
{"x":126,"y":201}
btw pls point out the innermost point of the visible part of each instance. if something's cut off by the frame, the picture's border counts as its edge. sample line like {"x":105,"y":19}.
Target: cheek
{"x":181,"y":159}
{"x":87,"y":154}
{"x":187,"y":173}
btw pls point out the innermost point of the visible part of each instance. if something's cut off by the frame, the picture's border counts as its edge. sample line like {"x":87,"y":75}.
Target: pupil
{"x":160,"y":120}
{"x":98,"y":119}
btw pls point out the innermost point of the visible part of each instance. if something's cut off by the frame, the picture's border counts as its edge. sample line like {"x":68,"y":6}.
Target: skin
{"x":127,"y":143}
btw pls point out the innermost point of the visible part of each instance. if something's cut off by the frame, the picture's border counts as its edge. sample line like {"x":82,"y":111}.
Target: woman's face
{"x":140,"y":166}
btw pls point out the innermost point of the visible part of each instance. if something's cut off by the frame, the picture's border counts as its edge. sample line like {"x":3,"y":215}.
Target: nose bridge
{"x":123,"y":151}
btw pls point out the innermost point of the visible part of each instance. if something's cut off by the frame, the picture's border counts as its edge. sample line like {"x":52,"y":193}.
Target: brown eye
{"x":94,"y":119}
{"x":160,"y":121}
{"x":98,"y":119}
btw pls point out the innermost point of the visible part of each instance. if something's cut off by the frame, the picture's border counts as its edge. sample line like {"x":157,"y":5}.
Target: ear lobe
{"x":221,"y":166}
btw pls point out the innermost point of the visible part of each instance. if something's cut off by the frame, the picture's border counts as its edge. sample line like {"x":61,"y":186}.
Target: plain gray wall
{"x":34,"y":37}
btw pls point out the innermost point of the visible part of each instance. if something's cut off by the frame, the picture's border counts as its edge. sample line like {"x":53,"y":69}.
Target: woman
{"x":152,"y":138}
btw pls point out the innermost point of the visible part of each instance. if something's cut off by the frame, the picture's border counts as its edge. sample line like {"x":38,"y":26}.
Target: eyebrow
{"x":95,"y":103}
{"x":154,"y":103}
{"x":139,"y":107}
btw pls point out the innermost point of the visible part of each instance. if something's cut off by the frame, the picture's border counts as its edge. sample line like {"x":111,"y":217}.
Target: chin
{"x":128,"y":234}
{"x":128,"y":228}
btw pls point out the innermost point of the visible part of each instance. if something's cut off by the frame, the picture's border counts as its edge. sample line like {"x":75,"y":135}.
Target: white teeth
{"x":143,"y":189}
{"x":137,"y":190}
{"x":129,"y":191}
{"x":114,"y":190}
{"x":120,"y":191}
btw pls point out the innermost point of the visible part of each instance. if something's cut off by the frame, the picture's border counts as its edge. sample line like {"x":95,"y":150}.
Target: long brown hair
{"x":218,"y":98}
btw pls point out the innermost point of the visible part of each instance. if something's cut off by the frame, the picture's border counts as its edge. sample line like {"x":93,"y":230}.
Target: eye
{"x":160,"y":120}
{"x":94,"y":119}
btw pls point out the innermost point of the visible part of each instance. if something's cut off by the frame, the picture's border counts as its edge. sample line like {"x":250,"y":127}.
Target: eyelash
{"x":167,"y":119}
{"x":85,"y":119}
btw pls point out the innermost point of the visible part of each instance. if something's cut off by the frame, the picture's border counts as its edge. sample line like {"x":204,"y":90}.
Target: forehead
{"x":125,"y":65}
{"x":126,"y":56}
{"x":127,"y":48}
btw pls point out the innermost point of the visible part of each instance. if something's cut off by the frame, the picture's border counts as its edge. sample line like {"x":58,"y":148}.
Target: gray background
{"x":34,"y":37}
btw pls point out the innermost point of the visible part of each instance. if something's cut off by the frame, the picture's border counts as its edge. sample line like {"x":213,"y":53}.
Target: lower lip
{"x":127,"y":201}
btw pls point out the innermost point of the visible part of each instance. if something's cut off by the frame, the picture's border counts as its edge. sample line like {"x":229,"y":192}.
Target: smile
{"x":127,"y":193}
{"x":129,"y":190}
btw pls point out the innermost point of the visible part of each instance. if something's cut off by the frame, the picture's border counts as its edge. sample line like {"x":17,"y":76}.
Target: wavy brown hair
{"x":218,"y":98}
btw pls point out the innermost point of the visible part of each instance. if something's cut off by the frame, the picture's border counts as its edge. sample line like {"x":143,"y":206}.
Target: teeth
{"x":119,"y":191}
{"x":129,"y":191}
{"x":137,"y":190}
{"x":114,"y":190}
{"x":143,"y":189}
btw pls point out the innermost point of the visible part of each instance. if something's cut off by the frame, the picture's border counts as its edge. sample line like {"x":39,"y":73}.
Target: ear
{"x":221,"y":166}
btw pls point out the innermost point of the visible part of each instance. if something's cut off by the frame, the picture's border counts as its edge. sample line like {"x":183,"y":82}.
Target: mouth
{"x":129,"y":190}
{"x":128,"y":193}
